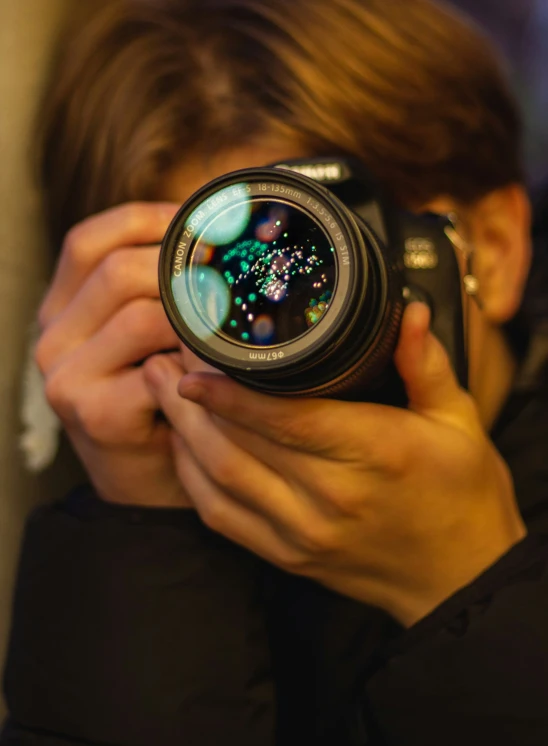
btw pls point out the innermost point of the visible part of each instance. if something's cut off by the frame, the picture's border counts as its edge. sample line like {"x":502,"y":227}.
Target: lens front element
{"x":260,"y":272}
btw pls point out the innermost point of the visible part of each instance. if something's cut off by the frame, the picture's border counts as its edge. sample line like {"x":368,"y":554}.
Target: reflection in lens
{"x":275,"y":290}
{"x":280,"y":264}
{"x":228,"y":224}
{"x":212,"y":296}
{"x":203,"y":253}
{"x":268,"y":231}
{"x":272,"y":281}
{"x":262,"y":330}
{"x":271,"y":228}
{"x":316,"y":309}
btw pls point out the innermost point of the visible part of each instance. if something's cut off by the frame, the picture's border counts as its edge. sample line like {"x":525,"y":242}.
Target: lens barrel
{"x":266,"y":275}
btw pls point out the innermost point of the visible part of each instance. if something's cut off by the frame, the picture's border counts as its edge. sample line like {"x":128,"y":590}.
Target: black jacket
{"x":136,"y":627}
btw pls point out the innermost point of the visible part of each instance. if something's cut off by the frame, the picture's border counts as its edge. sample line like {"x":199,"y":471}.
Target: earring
{"x":470,"y":281}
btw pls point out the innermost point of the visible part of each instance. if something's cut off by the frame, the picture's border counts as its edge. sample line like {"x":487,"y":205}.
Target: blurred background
{"x":520,"y":30}
{"x":28,"y":30}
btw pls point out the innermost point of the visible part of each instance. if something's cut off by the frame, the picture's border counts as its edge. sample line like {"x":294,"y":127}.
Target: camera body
{"x":293,"y":280}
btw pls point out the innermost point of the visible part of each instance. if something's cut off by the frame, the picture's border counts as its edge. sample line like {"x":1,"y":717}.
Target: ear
{"x":500,"y":229}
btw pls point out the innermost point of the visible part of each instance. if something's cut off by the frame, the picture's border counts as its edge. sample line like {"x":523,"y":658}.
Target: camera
{"x":293,"y":278}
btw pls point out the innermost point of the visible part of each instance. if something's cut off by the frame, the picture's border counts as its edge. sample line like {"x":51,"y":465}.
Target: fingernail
{"x":191,"y":390}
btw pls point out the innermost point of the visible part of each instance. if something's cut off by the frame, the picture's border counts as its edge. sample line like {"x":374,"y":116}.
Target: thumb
{"x":424,"y":366}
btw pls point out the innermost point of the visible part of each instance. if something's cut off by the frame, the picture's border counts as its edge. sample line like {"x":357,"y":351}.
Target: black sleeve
{"x":474,"y":672}
{"x":138,"y":627}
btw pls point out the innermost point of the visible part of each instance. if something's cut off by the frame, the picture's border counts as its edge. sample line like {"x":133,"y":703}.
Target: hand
{"x":396,"y":508}
{"x":101,"y":317}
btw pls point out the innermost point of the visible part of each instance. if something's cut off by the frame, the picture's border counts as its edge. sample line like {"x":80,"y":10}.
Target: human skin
{"x":101,"y":317}
{"x":399,"y":508}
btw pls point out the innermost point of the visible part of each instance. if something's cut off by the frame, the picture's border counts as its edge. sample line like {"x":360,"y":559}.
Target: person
{"x":251,"y":570}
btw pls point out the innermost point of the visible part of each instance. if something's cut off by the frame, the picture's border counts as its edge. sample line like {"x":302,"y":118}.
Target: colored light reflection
{"x":271,"y":229}
{"x":256,"y":288}
{"x":211,"y":293}
{"x":317,"y":308}
{"x":263,"y":329}
{"x":225,"y":218}
{"x":275,"y":290}
{"x":203,"y":253}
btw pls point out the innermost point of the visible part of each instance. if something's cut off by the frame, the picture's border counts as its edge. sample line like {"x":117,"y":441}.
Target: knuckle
{"x":296,"y":562}
{"x":340,"y":493}
{"x":58,"y":393}
{"x":115,"y":274}
{"x":78,"y":409}
{"x":213,"y":514}
{"x":94,"y":420}
{"x":42,"y":354}
{"x":224,"y":473}
{"x":394,"y":460}
{"x":293,"y":430}
{"x":318,"y":538}
{"x":344,"y":503}
{"x":75,"y":245}
{"x":391,"y":453}
{"x":136,"y":216}
{"x":140,"y":317}
{"x":144,"y":326}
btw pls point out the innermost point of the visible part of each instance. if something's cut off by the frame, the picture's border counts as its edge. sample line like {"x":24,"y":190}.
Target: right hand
{"x":99,"y":320}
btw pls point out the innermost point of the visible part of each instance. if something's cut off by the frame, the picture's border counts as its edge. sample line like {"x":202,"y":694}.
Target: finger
{"x":113,"y":410}
{"x":138,"y":330}
{"x":315,"y":426}
{"x":238,"y":453}
{"x":126,"y":274}
{"x":231,"y":468}
{"x":230,"y":518}
{"x":90,"y":241}
{"x":424,"y":366}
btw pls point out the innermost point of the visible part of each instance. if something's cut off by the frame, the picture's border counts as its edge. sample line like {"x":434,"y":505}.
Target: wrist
{"x":410,"y":607}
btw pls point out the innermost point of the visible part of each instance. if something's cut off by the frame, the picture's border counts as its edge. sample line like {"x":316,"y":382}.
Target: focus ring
{"x":354,"y":381}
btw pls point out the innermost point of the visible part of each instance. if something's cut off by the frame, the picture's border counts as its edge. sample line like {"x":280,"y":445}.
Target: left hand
{"x":396,"y":508}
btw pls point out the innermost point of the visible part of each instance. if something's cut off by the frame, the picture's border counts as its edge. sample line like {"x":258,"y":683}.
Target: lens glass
{"x":261,"y":272}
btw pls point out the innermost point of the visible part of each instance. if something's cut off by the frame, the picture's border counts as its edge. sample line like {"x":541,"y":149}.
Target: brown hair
{"x":407,"y":86}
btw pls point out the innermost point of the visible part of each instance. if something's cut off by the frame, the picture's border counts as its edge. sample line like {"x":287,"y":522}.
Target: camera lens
{"x":262,"y":272}
{"x":267,"y":276}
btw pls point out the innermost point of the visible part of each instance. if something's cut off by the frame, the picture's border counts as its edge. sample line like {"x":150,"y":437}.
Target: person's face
{"x":498,"y":229}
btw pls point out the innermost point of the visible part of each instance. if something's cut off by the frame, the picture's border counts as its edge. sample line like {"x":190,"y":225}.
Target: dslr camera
{"x":293,"y":278}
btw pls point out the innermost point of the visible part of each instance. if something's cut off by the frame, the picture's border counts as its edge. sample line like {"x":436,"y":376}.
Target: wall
{"x":27,"y":32}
